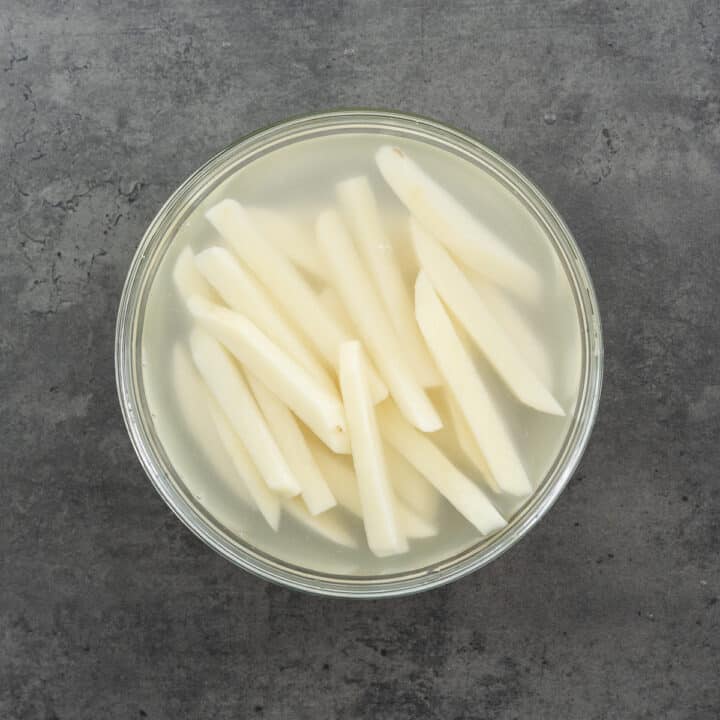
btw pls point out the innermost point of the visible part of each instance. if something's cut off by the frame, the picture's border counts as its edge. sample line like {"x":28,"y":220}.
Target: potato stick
{"x":470,"y":390}
{"x":361,"y":213}
{"x":187,"y":280}
{"x":229,"y":388}
{"x":383,"y":533}
{"x":239,"y":289}
{"x":290,"y":440}
{"x":358,"y":295}
{"x":442,"y":215}
{"x":468,"y":443}
{"x":468,"y":307}
{"x":194,"y":398}
{"x":327,"y":524}
{"x":281,"y":277}
{"x":310,"y":400}
{"x":333,"y":304}
{"x":518,"y":328}
{"x":466,"y":497}
{"x":343,"y":482}
{"x":410,"y":486}
{"x":291,"y":237}
{"x":266,"y":501}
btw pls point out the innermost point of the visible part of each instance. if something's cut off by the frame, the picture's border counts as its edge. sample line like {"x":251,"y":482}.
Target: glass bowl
{"x":128,"y":360}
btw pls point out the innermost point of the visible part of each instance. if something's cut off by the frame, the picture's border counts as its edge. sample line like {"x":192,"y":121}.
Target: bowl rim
{"x":133,"y":401}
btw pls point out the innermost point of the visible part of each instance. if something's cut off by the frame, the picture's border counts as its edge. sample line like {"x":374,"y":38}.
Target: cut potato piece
{"x":243,"y":293}
{"x":358,"y":295}
{"x":341,"y":477}
{"x":290,"y":440}
{"x":410,"y":486}
{"x":327,"y":525}
{"x":468,"y":443}
{"x":193,"y":398}
{"x":472,"y":313}
{"x":187,"y":280}
{"x":470,"y":390}
{"x":361,"y":213}
{"x":266,"y":501}
{"x":229,"y":388}
{"x":310,"y":400}
{"x":383,"y":533}
{"x":290,"y":290}
{"x":289,"y":236}
{"x":442,"y":215}
{"x":333,"y":304}
{"x":466,"y":497}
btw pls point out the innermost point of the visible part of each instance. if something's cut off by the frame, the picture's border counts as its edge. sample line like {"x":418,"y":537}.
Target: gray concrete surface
{"x":110,"y":609}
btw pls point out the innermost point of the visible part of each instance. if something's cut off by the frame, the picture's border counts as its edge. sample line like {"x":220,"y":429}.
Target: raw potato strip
{"x":229,"y":388}
{"x":470,"y":390}
{"x":383,"y":533}
{"x":290,"y":237}
{"x":443,"y":216}
{"x":193,"y":398}
{"x":468,"y":443}
{"x":239,"y":289}
{"x":187,"y":280}
{"x":518,"y":328}
{"x":290,"y":440}
{"x":472,"y":313}
{"x":266,"y":501}
{"x":358,"y":295}
{"x":327,"y":525}
{"x":310,"y":400}
{"x":461,"y":492}
{"x":361,"y":212}
{"x":283,"y":280}
{"x":410,"y":486}
{"x":343,"y":483}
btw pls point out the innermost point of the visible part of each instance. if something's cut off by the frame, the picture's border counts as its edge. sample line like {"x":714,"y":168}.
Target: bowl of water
{"x":358,"y":354}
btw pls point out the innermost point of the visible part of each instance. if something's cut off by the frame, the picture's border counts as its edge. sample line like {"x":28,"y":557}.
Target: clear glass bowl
{"x":158,"y":238}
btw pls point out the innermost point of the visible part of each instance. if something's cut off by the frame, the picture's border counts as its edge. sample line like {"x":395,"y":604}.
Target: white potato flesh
{"x":360,"y":211}
{"x":243,"y":293}
{"x":341,"y":477}
{"x":291,"y":441}
{"x":187,"y":280}
{"x":309,"y":399}
{"x":267,"y":502}
{"x":468,"y":443}
{"x":466,"y":497}
{"x":472,"y":313}
{"x":227,"y":384}
{"x":359,"y":297}
{"x":193,"y":398}
{"x":291,"y":237}
{"x":410,"y":486}
{"x":327,"y":525}
{"x":382,"y":530}
{"x":333,"y":304}
{"x":290,"y":290}
{"x":517,"y":325}
{"x":469,"y":239}
{"x":470,"y":390}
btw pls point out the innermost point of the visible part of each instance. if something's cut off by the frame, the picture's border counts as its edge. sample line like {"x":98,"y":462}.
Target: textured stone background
{"x":110,"y":609}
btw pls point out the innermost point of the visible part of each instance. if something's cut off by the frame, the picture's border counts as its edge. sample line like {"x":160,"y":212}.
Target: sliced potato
{"x":290,"y":440}
{"x":310,"y":400}
{"x":410,"y":486}
{"x":290,"y":290}
{"x":327,"y":524}
{"x":466,"y":497}
{"x":229,"y":388}
{"x":187,"y":280}
{"x":472,"y":313}
{"x":243,"y":293}
{"x":470,"y":390}
{"x":361,"y":213}
{"x":359,"y":297}
{"x":383,"y":533}
{"x":465,"y":235}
